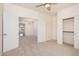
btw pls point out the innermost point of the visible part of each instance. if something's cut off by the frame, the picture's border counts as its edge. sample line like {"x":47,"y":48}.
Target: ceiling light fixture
{"x":47,"y":5}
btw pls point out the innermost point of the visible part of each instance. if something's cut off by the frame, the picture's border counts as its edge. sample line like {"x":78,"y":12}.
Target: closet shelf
{"x":69,"y":31}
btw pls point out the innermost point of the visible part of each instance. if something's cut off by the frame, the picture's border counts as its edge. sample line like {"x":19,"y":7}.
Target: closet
{"x":68,"y":31}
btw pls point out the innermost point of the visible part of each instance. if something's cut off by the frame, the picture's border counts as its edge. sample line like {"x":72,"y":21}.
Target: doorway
{"x":68,"y":31}
{"x":27,"y":32}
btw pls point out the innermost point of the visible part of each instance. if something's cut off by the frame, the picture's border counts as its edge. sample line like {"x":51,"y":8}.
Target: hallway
{"x":29,"y":47}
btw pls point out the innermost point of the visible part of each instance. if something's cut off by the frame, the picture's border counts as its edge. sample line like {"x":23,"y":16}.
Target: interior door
{"x":69,"y":31}
{"x":0,"y":29}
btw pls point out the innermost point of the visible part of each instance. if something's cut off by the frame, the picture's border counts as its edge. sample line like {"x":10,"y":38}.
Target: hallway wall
{"x":11,"y":22}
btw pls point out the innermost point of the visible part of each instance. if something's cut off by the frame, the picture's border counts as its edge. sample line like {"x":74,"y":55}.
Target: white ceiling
{"x":54,"y":8}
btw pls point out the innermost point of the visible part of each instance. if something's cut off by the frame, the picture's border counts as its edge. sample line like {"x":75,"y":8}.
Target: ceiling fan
{"x":46,"y":5}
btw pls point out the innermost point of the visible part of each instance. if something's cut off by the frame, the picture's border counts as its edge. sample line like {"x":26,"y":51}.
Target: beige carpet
{"x":30,"y":47}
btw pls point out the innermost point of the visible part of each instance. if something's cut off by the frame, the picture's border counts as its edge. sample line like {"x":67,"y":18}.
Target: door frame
{"x":28,"y":18}
{"x":63,"y":30}
{"x":2,"y":34}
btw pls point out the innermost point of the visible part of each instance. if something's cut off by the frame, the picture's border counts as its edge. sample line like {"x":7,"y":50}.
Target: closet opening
{"x":68,"y":31}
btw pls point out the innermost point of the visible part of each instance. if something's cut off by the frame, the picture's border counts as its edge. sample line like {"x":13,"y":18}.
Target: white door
{"x":69,"y":31}
{"x":10,"y":29}
{"x":0,"y":29}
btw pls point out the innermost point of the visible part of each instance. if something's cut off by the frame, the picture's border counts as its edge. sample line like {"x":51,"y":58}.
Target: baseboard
{"x":68,"y":44}
{"x":76,"y":47}
{"x":0,"y":53}
{"x":9,"y":50}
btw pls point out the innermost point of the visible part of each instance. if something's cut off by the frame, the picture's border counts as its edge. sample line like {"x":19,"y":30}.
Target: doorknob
{"x":4,"y":34}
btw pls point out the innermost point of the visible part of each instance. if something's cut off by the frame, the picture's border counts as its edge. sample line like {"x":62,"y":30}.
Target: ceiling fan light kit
{"x":47,"y":5}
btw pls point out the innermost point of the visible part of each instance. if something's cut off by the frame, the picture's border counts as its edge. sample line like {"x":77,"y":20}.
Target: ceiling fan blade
{"x":41,"y":5}
{"x":47,"y":5}
{"x":54,"y":3}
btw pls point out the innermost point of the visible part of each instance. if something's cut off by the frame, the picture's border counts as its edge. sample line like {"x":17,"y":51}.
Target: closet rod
{"x":69,"y":31}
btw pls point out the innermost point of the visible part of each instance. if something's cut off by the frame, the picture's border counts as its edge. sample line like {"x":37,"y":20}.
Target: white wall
{"x":11,"y":23}
{"x":1,"y":7}
{"x":49,"y":29}
{"x":54,"y":27}
{"x":72,"y":11}
{"x":29,"y":28}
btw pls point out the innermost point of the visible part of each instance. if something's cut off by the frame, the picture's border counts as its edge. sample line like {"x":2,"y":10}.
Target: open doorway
{"x":27,"y":32}
{"x":68,"y":31}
